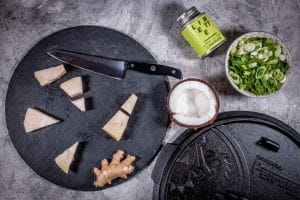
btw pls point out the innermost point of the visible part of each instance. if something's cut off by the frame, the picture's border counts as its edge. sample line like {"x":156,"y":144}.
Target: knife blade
{"x":111,"y":67}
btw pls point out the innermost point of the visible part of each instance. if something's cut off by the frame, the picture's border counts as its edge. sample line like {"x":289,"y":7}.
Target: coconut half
{"x":193,"y":103}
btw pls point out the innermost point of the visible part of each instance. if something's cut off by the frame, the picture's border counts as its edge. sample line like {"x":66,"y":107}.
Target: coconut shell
{"x":200,"y":125}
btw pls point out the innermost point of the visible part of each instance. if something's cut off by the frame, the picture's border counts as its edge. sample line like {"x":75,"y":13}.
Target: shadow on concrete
{"x":222,"y":85}
{"x":169,"y":14}
{"x":230,"y":36}
{"x":220,"y":81}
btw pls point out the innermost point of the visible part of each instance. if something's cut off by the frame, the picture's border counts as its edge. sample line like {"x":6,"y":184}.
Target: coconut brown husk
{"x":200,"y":125}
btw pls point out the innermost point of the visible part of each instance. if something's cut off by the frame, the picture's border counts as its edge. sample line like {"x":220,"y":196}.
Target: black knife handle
{"x":155,"y":69}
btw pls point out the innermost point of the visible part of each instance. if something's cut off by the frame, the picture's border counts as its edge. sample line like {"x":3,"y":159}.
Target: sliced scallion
{"x":258,"y":65}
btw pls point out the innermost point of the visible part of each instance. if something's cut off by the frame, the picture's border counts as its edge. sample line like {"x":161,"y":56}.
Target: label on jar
{"x":203,"y":35}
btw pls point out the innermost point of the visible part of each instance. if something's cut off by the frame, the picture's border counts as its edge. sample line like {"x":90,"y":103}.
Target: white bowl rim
{"x":262,"y":34}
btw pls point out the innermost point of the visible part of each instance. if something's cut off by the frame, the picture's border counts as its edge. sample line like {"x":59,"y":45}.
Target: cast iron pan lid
{"x":39,"y":148}
{"x":243,"y":155}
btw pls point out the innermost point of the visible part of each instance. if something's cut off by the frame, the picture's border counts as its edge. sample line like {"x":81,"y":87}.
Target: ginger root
{"x":115,"y":169}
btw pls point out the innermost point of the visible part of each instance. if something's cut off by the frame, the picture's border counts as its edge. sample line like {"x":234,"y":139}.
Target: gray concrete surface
{"x":153,"y":23}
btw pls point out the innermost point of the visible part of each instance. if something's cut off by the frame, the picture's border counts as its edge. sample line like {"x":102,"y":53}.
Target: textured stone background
{"x":153,"y":23}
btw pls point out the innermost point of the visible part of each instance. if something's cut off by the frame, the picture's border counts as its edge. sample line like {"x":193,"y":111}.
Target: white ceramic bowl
{"x":285,"y":52}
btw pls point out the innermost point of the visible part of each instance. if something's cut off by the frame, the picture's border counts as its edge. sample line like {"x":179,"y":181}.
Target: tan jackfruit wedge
{"x":80,"y":104}
{"x":129,"y":105}
{"x":116,"y":126}
{"x":65,"y":159}
{"x":73,"y":87}
{"x":49,"y":75}
{"x":35,"y":119}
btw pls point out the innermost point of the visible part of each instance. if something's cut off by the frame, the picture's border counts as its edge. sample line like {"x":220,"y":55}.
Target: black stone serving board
{"x":147,"y":125}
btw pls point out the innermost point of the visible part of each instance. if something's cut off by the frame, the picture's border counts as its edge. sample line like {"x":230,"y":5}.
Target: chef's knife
{"x":111,"y":67}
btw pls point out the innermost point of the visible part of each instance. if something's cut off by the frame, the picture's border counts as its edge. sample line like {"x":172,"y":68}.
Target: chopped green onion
{"x":277,"y":51}
{"x":274,"y":61}
{"x":277,"y":74}
{"x":260,"y":72}
{"x":282,"y":57}
{"x":252,"y":65}
{"x":258,"y":65}
{"x":249,"y":47}
{"x":236,"y":78}
{"x":233,"y":51}
{"x":246,"y":73}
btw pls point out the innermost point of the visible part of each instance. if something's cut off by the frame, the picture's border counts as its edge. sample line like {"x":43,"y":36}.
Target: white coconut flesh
{"x":193,"y":103}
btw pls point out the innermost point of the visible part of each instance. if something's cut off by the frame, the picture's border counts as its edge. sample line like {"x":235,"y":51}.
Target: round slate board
{"x":147,"y":125}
